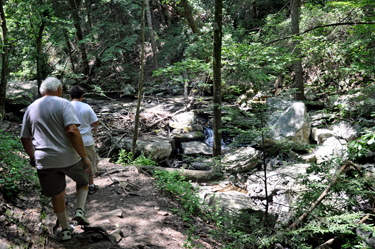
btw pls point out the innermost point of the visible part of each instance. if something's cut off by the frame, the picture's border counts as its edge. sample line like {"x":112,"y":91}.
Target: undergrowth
{"x":127,"y":158}
{"x":16,"y":174}
{"x":335,"y":217}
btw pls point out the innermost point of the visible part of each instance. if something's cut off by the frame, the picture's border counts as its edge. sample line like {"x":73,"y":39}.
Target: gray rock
{"x":291,"y":121}
{"x":195,"y":148}
{"x":232,"y":201}
{"x":21,"y":92}
{"x":183,"y":120}
{"x":332,"y":147}
{"x":242,"y":159}
{"x":345,"y":130}
{"x":157,"y":148}
{"x":321,"y":135}
{"x":187,"y":137}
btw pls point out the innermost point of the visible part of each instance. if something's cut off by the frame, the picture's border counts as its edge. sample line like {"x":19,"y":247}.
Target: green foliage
{"x":363,"y":146}
{"x":127,"y":158}
{"x":174,"y":183}
{"x":15,"y":171}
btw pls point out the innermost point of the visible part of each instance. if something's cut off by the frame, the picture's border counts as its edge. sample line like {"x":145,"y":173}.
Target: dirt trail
{"x":128,"y":211}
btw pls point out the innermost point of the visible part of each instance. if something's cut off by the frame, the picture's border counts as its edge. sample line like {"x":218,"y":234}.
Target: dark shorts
{"x":52,"y":181}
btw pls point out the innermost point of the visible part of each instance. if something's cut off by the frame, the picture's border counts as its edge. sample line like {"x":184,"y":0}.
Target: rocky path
{"x":128,"y":211}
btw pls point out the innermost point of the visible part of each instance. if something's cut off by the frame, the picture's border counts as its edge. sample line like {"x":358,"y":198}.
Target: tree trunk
{"x":119,"y":18}
{"x":89,"y":23}
{"x":152,"y":35}
{"x":135,"y":137}
{"x":69,"y":48}
{"x":298,"y":71}
{"x":189,"y":16}
{"x":79,"y":35}
{"x":39,"y":57}
{"x":5,"y":60}
{"x":186,"y":85}
{"x":217,"y":77}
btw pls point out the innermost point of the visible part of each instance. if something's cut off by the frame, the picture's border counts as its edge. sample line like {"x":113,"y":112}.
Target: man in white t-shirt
{"x":87,"y":117}
{"x":54,"y":144}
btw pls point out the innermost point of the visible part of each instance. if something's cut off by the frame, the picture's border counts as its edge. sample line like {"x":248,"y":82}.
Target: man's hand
{"x":32,"y":162}
{"x":86,"y":164}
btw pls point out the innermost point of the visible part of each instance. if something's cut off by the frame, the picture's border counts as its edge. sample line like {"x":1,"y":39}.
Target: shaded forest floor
{"x":128,"y":211}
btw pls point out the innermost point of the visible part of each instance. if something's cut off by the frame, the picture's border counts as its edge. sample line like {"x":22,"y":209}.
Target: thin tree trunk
{"x":189,"y":16}
{"x":39,"y":58}
{"x":217,"y":77}
{"x":135,"y":137}
{"x":186,"y":85}
{"x":298,"y":71}
{"x":4,"y":66}
{"x":89,"y":23}
{"x":79,"y":35}
{"x":69,"y":48}
{"x":152,"y":35}
{"x":119,"y":18}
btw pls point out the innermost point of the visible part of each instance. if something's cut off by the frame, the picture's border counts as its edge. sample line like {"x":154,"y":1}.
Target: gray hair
{"x":50,"y":84}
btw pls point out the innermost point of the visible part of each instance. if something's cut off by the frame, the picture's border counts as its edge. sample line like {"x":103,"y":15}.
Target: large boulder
{"x":195,"y":148}
{"x":232,"y":202}
{"x":289,"y":119}
{"x":283,"y":189}
{"x":332,"y":148}
{"x":21,"y":93}
{"x":157,"y":148}
{"x":187,"y":137}
{"x":183,"y":120}
{"x":242,"y":159}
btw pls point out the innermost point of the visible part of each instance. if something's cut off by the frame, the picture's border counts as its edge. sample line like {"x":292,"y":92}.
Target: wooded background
{"x":266,"y":44}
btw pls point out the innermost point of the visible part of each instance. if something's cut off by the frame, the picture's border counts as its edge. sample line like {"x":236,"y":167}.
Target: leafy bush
{"x":363,"y":146}
{"x":126,"y":158}
{"x":15,"y":172}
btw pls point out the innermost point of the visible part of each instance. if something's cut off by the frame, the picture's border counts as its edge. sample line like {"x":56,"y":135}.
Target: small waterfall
{"x":209,"y":137}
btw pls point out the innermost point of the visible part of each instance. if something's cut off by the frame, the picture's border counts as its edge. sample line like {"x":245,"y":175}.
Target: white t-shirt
{"x":86,"y":116}
{"x":45,"y":121}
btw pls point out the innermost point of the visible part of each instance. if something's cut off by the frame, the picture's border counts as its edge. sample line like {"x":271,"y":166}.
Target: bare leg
{"x":91,"y":180}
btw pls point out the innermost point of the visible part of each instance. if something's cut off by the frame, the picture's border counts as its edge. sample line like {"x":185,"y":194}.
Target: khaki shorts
{"x":52,"y":181}
{"x":93,"y":157}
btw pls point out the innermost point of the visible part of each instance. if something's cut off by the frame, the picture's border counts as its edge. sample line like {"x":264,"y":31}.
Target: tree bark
{"x":39,"y":57}
{"x":152,"y":36}
{"x":89,"y":23}
{"x":5,"y":61}
{"x":298,"y":71}
{"x":217,"y":77}
{"x":69,"y":48}
{"x":79,"y":35}
{"x":189,"y":16}
{"x":135,"y":137}
{"x":185,"y":76}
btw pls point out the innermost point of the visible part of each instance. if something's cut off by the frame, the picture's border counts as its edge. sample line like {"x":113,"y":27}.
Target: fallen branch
{"x":321,"y":197}
{"x":193,"y":175}
{"x":187,"y":107}
{"x":112,"y":147}
{"x":330,"y":241}
{"x":118,"y":181}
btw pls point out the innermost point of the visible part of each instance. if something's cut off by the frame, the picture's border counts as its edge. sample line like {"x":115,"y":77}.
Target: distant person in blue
{"x":87,"y":117}
{"x":51,"y":138}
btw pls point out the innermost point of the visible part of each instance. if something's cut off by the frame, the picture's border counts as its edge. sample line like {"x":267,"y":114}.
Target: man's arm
{"x":77,"y":143}
{"x":29,"y":148}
